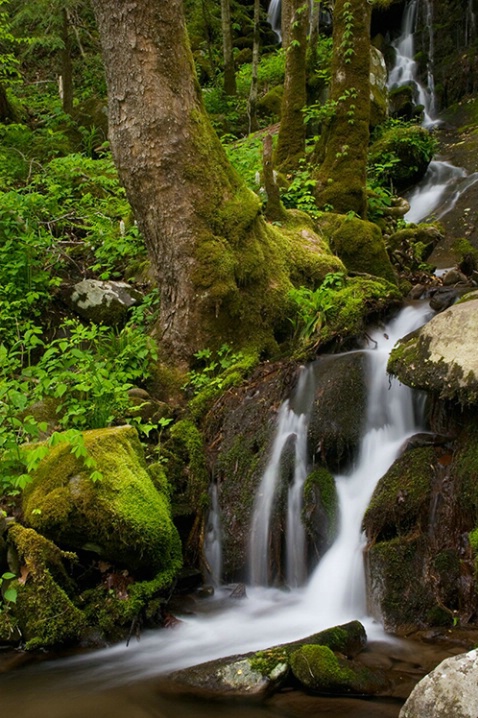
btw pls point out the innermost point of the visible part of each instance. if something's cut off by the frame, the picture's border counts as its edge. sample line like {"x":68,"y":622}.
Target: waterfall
{"x":291,"y":427}
{"x":404,"y":72}
{"x":274,"y":16}
{"x":269,"y":616}
{"x":338,"y":584}
{"x":212,"y":542}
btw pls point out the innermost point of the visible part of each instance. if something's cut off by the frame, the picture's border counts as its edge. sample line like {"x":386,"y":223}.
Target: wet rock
{"x":239,"y":592}
{"x":100,"y":302}
{"x":441,"y":357}
{"x":443,"y":298}
{"x":318,"y":668}
{"x":451,"y":690}
{"x":338,"y":410}
{"x":454,"y":276}
{"x":234,"y":677}
{"x":123,"y":517}
{"x":256,"y":675}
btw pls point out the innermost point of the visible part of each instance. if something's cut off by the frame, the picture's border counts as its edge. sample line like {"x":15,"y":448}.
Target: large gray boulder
{"x":441,"y":357}
{"x":450,"y":691}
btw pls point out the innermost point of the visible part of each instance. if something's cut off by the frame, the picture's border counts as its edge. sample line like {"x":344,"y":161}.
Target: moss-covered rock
{"x":269,"y":105}
{"x":400,"y":502}
{"x":408,"y":151}
{"x":360,"y":246}
{"x":400,"y":590}
{"x":318,"y":668}
{"x":45,"y":612}
{"x":441,"y":357}
{"x":320,"y":509}
{"x":122,"y":517}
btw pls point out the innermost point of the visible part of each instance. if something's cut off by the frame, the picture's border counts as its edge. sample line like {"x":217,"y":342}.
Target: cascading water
{"x":404,"y":71}
{"x":292,"y":426}
{"x":443,"y":183}
{"x":335,"y":593}
{"x":212,"y":542}
{"x":274,"y":17}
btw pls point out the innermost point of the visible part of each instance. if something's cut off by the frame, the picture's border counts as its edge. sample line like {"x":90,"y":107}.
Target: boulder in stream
{"x":449,"y":691}
{"x":441,"y":356}
{"x":257,"y":675}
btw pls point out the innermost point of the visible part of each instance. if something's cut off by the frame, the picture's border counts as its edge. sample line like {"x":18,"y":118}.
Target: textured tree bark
{"x":224,"y":273}
{"x":342,"y":148}
{"x":252,"y":103}
{"x":291,"y":140}
{"x":66,"y":65}
{"x":229,"y":71}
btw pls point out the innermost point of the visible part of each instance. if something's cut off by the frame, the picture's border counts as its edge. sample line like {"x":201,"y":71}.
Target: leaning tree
{"x":223,"y":271}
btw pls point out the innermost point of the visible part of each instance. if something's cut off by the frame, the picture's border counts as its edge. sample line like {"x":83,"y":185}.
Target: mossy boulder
{"x":121,"y":517}
{"x":400,"y":503}
{"x":318,"y":668}
{"x":408,"y":152}
{"x":360,"y":246}
{"x":400,"y":590}
{"x":338,"y":410}
{"x":401,"y":103}
{"x":269,"y":105}
{"x":441,"y":357}
{"x":44,"y":610}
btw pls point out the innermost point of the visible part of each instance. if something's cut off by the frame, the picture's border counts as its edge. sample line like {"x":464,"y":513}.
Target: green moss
{"x":123,"y":515}
{"x":187,"y":446}
{"x":354,"y":305}
{"x":396,"y":570}
{"x":400,"y":502}
{"x":439,"y":616}
{"x":412,"y":147}
{"x":266,"y":661}
{"x":45,"y":613}
{"x":321,"y":482}
{"x":317,"y":667}
{"x":360,"y":246}
{"x":113,"y":614}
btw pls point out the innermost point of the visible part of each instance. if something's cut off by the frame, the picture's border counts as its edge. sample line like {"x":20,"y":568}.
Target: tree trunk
{"x":286,"y":15}
{"x":291,"y":140}
{"x":66,"y":66}
{"x":7,"y":112}
{"x":342,"y":147}
{"x":224,"y":273}
{"x":229,"y":72}
{"x":252,"y":104}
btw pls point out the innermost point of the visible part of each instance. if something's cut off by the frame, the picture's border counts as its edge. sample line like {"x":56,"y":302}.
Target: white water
{"x":292,"y":426}
{"x":212,"y":541}
{"x":336,"y":591}
{"x":439,"y":191}
{"x":404,"y":71}
{"x":274,"y":17}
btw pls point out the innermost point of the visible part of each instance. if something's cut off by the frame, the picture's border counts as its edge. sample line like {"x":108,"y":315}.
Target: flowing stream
{"x":334,"y":593}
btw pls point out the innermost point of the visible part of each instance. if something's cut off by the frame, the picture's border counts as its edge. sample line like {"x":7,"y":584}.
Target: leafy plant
{"x":211,"y":367}
{"x":8,"y":594}
{"x":300,"y":192}
{"x":312,"y":307}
